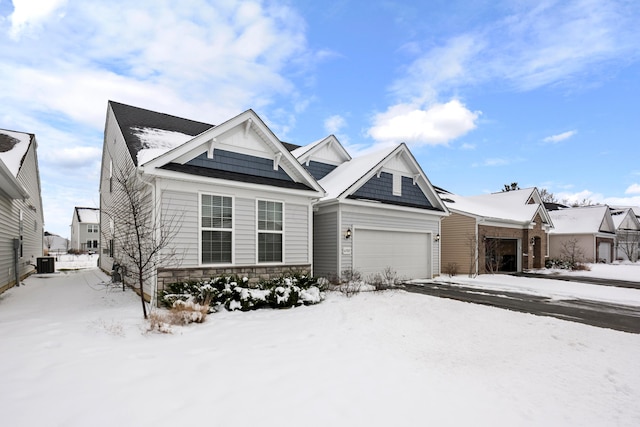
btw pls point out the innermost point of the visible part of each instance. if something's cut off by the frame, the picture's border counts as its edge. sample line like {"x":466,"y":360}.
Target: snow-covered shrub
{"x":566,"y":264}
{"x":234,"y":293}
{"x":386,"y":280}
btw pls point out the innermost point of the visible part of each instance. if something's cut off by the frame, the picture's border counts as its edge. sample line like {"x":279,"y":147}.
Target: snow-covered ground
{"x":557,"y":289}
{"x":75,"y":261}
{"x":74,"y":352}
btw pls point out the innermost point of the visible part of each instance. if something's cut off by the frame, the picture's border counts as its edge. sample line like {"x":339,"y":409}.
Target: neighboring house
{"x":85,"y":230}
{"x":497,"y":232}
{"x":54,"y":244}
{"x":21,"y":216}
{"x":627,"y":227}
{"x":243,"y":200}
{"x":380,"y":211}
{"x":586,"y":233}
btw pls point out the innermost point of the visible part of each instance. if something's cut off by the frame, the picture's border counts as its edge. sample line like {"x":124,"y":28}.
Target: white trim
{"x":281,"y":232}
{"x":232,"y":230}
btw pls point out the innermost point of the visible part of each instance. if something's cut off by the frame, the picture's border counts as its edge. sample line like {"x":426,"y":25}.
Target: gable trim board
{"x":245,"y":122}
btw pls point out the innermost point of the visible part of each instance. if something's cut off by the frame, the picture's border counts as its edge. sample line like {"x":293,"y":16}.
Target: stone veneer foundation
{"x":253,"y":273}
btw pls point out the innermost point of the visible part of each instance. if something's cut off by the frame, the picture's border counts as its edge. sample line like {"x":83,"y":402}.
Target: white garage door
{"x":604,"y":251}
{"x":409,"y":254}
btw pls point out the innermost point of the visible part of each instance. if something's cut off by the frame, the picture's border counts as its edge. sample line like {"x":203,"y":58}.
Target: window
{"x":92,"y":228}
{"x":216,"y":221}
{"x":269,"y":231}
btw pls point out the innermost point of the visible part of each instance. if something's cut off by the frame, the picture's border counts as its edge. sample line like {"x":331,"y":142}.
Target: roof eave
{"x":10,"y":185}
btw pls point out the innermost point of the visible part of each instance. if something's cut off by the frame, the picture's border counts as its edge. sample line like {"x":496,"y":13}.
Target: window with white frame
{"x":92,"y":228}
{"x":270,"y":226}
{"x":216,"y":223}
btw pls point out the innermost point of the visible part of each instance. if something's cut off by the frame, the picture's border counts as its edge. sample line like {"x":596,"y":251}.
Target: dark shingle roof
{"x":130,"y":118}
{"x":234,"y":176}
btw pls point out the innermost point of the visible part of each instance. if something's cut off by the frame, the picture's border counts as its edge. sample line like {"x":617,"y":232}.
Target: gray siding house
{"x":85,"y":230}
{"x":243,"y":201}
{"x":380,"y":212}
{"x":21,"y":216}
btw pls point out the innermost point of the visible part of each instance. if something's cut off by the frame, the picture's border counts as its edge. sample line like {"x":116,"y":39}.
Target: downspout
{"x":16,"y":249}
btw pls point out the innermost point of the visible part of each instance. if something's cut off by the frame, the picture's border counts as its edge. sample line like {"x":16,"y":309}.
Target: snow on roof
{"x":345,"y":175}
{"x":89,"y":215}
{"x":156,"y":142}
{"x":13,"y":147}
{"x":300,"y":151}
{"x":507,"y":205}
{"x":579,"y":220}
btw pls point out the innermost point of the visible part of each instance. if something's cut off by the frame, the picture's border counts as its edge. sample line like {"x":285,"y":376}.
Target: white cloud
{"x":76,"y":156}
{"x":436,"y":124}
{"x":538,"y":44}
{"x":334,"y":124}
{"x":580,"y":196}
{"x":31,"y":14}
{"x":633,"y":189}
{"x":560,"y":137}
{"x":467,"y":146}
{"x":203,"y":59}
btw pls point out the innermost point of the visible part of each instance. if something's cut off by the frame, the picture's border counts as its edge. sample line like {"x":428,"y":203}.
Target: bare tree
{"x":571,"y":252}
{"x":48,"y":241}
{"x":629,"y":244}
{"x":547,"y":196}
{"x":579,"y":203}
{"x":493,"y":255}
{"x":140,"y":233}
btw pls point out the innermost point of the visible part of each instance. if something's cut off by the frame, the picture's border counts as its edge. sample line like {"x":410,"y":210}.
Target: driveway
{"x":595,"y":313}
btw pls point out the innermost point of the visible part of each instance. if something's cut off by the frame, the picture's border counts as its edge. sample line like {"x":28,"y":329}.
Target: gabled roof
{"x":349,"y":176}
{"x":516,"y":206}
{"x":624,"y":219}
{"x":583,"y":220}
{"x":149,"y":130}
{"x":87,"y":215}
{"x":174,"y":156}
{"x":326,"y":150}
{"x":13,"y":149}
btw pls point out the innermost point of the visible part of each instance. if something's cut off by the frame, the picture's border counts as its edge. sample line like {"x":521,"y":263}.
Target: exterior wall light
{"x":437,"y":237}
{"x":347,"y":235}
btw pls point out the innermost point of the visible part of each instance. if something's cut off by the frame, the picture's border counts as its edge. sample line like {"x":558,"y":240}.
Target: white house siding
{"x":9,"y":212}
{"x":244,"y":212}
{"x":115,"y":150}
{"x":80,"y":235}
{"x":296,"y":239}
{"x":355,"y":217}
{"x":325,"y":243}
{"x":180,"y":209}
{"x":32,"y":217}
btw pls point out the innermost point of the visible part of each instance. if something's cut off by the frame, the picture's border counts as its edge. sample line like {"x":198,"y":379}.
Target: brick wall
{"x":533,"y":256}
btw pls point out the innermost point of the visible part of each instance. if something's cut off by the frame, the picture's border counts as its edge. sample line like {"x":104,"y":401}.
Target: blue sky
{"x":543,"y":93}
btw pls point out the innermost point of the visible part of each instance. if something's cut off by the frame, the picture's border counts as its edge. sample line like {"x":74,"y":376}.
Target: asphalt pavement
{"x":596,"y":313}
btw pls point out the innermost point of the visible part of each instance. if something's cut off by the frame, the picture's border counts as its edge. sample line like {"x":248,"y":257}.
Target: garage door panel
{"x":407,"y":253}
